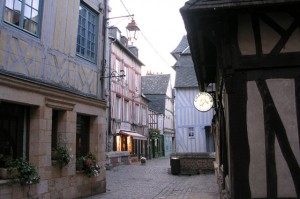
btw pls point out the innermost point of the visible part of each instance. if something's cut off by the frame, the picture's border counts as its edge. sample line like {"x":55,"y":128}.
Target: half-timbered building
{"x":251,"y":51}
{"x":51,"y":58}
{"x":192,"y":127}
{"x":158,"y":90}
{"x":128,"y":110}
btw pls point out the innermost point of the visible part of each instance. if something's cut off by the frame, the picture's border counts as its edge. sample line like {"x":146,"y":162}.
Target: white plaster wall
{"x":283,"y":94}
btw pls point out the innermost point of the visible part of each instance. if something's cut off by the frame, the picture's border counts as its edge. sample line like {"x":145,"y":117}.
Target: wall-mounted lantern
{"x":132,"y":31}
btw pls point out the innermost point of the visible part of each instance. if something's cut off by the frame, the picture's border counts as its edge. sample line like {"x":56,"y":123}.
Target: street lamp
{"x":132,"y":31}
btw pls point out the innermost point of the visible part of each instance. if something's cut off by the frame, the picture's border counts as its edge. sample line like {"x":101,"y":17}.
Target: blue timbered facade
{"x":192,"y":127}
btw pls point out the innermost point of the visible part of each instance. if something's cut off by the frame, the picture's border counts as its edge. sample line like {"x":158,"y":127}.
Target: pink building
{"x":127,"y":117}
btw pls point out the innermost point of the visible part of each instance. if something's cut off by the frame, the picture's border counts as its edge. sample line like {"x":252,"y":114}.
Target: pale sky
{"x":161,"y":27}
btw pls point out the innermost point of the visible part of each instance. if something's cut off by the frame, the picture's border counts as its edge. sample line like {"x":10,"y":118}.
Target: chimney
{"x":134,"y":50}
{"x":124,"y":41}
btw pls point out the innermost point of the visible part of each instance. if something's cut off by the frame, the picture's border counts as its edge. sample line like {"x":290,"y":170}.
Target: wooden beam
{"x":239,"y":149}
{"x":257,"y":36}
{"x":269,"y":61}
{"x":281,"y":43}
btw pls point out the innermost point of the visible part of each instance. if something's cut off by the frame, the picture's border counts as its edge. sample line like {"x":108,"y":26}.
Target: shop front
{"x":132,"y":142}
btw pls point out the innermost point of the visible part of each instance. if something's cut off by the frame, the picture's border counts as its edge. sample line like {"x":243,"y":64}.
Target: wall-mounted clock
{"x":203,"y":101}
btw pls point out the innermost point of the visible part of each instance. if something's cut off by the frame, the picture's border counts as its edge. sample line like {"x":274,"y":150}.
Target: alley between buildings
{"x":154,"y":181}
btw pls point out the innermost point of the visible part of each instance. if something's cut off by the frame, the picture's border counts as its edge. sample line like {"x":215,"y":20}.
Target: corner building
{"x":51,"y":55}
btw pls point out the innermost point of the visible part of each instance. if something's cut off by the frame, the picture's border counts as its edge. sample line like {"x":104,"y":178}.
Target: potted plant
{"x":88,"y":164}
{"x":25,"y":173}
{"x":62,"y":156}
{"x":5,"y":173}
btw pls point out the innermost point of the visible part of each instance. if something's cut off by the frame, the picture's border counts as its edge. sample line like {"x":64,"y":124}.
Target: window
{"x":14,"y":125}
{"x":191,"y":132}
{"x":82,"y":135}
{"x":118,"y":70}
{"x":24,"y":14}
{"x":57,"y":132}
{"x":54,"y":135}
{"x":137,"y":114}
{"x":144,"y":116}
{"x":118,"y":108}
{"x":126,"y":72}
{"x":87,"y":34}
{"x":136,"y":78}
{"x":126,"y":111}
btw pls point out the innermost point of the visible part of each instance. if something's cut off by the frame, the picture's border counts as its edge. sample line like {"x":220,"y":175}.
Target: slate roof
{"x":157,"y":103}
{"x":154,"y":87}
{"x":184,"y":67}
{"x":182,"y":46}
{"x":215,"y":4}
{"x":155,"y":84}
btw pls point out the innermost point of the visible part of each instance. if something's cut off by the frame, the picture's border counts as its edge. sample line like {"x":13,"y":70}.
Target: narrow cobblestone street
{"x":152,"y":181}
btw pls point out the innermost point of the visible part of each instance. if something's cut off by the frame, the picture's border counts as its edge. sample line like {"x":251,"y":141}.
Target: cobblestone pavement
{"x":152,"y":181}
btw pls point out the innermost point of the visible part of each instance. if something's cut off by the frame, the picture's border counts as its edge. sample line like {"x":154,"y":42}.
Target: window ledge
{"x":2,"y":182}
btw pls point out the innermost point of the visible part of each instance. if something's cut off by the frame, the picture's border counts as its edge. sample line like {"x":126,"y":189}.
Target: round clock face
{"x":203,"y":101}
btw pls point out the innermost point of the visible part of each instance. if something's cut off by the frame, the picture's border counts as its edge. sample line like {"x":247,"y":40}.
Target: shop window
{"x":24,"y":14}
{"x":87,"y":33}
{"x":82,"y":135}
{"x":14,"y":125}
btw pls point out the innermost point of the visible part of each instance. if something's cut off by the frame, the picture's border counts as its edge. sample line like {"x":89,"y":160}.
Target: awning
{"x":135,"y":136}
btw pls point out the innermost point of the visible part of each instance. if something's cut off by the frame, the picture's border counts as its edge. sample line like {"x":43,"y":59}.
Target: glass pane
{"x":8,"y":15}
{"x":82,"y":31}
{"x":78,"y":40}
{"x":89,"y":17}
{"x":26,"y":24}
{"x":28,"y":2}
{"x":35,"y":15}
{"x":33,"y":27}
{"x":16,"y":19}
{"x":18,"y":6}
{"x":27,"y":12}
{"x":35,"y":4}
{"x":9,"y":4}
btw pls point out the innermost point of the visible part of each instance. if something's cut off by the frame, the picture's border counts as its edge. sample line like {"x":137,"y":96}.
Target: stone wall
{"x":116,"y":158}
{"x":195,"y":163}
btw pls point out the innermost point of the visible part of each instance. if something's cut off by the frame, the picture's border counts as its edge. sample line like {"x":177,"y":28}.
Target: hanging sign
{"x":203,"y":101}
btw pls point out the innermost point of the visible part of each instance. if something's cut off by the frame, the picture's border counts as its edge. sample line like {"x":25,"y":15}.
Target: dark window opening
{"x":14,"y":125}
{"x":82,"y":135}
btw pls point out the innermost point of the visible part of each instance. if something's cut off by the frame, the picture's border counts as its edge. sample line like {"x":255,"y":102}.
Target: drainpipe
{"x":112,"y":40}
